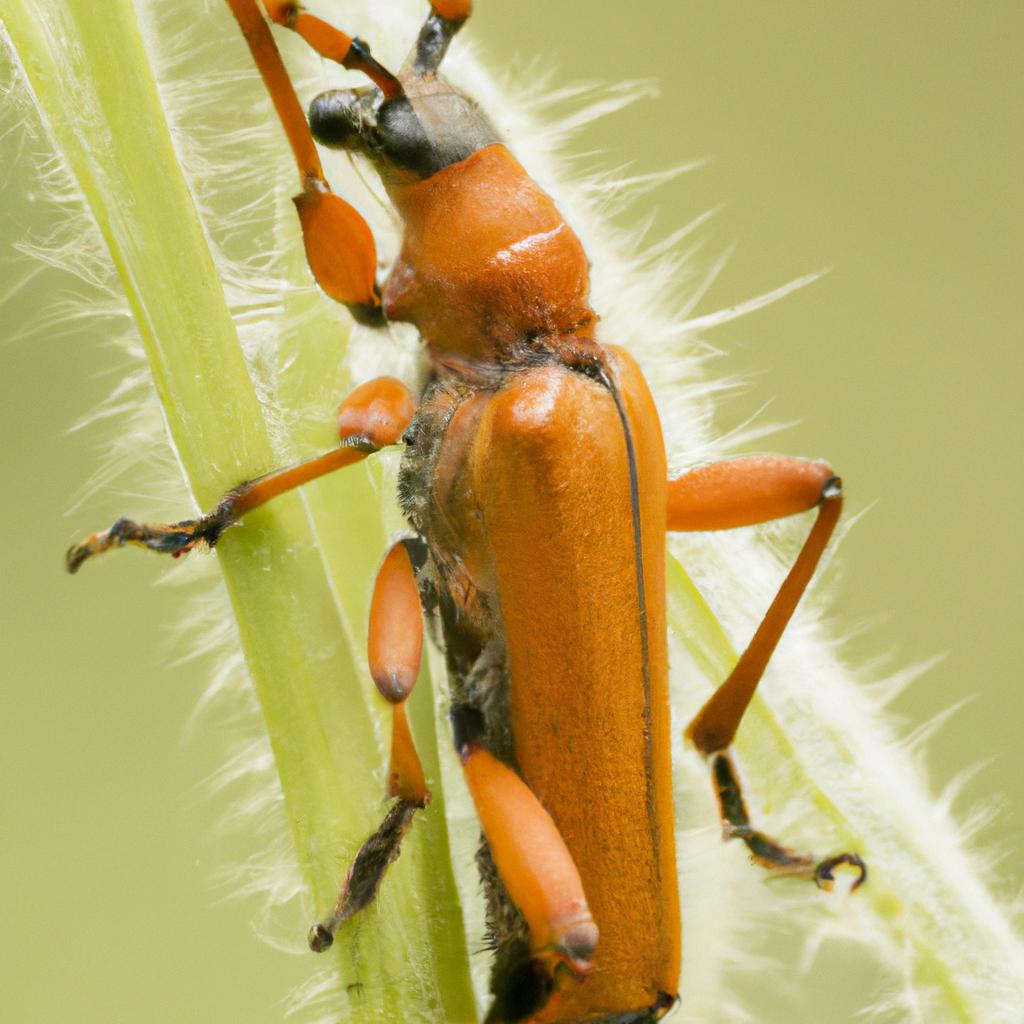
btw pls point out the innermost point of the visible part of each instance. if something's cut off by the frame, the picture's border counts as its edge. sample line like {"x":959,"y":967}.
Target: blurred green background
{"x":879,"y":140}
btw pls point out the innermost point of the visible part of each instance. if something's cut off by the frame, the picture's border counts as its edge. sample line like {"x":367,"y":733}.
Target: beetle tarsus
{"x":367,"y":872}
{"x":768,"y":852}
{"x":174,"y":539}
{"x":824,"y":873}
{"x":320,"y":938}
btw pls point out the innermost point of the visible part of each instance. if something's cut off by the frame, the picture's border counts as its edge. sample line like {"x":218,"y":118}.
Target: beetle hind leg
{"x":539,"y":877}
{"x":743,"y":492}
{"x":395,"y":648}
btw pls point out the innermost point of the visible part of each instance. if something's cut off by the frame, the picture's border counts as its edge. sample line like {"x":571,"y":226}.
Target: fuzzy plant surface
{"x":172,"y":164}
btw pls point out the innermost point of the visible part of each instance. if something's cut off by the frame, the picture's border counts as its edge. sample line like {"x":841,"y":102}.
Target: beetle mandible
{"x":535,"y":480}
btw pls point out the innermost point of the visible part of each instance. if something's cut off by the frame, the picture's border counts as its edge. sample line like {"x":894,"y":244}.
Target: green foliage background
{"x":880,"y":140}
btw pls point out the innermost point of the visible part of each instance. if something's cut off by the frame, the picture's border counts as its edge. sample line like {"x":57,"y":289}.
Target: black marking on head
{"x":417,"y":134}
{"x":403,"y":141}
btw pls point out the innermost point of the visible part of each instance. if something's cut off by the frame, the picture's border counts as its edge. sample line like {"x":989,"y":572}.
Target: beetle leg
{"x":339,"y":245}
{"x":766,"y":851}
{"x":332,"y":43}
{"x":374,"y":416}
{"x":742,"y":492}
{"x":446,"y":18}
{"x":538,"y":872}
{"x":395,"y":648}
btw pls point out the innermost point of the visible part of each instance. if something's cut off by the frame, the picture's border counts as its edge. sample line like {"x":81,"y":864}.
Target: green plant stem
{"x":91,"y":80}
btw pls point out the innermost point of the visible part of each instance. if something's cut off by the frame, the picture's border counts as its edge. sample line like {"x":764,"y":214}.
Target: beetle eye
{"x":340,"y":119}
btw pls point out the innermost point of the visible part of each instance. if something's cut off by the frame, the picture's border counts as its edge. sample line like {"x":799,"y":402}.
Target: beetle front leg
{"x":743,"y":492}
{"x":446,"y":18}
{"x":374,"y":416}
{"x":395,"y":651}
{"x":339,"y":245}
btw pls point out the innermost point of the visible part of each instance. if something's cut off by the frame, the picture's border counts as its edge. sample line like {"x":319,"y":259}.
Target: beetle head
{"x":411,"y":125}
{"x":411,"y":136}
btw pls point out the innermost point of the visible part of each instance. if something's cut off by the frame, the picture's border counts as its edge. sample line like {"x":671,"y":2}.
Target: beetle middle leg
{"x":742,"y":492}
{"x":373,"y":417}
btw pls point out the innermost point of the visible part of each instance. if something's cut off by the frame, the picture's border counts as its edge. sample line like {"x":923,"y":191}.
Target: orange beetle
{"x":535,"y":480}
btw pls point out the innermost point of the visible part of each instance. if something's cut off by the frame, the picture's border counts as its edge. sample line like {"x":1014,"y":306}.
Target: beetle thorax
{"x":489,"y":267}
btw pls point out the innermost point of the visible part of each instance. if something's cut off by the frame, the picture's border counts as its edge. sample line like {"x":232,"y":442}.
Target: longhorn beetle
{"x":534,"y":479}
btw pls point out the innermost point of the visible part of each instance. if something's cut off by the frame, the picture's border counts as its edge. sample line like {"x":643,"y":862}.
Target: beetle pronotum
{"x":535,"y":481}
